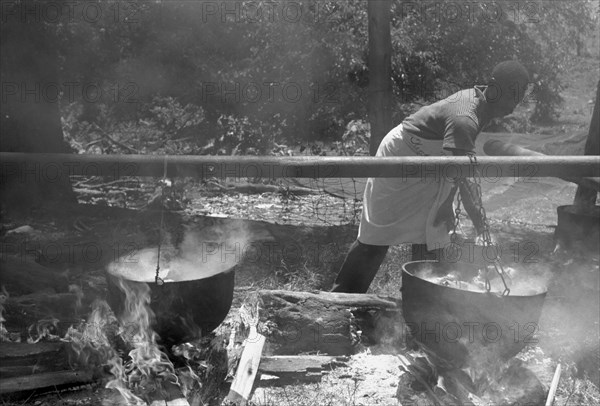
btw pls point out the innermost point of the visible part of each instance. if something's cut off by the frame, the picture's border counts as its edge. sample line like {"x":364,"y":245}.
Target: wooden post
{"x":380,"y":71}
{"x":585,"y":196}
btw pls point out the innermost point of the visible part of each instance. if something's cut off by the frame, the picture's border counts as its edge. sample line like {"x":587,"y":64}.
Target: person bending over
{"x":418,"y":211}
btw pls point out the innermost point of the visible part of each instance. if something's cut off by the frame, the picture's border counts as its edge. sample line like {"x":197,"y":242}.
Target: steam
{"x":521,"y":280}
{"x":570,"y":322}
{"x":528,"y":280}
{"x":202,"y":254}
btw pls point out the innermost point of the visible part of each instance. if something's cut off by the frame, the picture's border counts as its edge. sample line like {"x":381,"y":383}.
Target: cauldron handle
{"x":157,"y":279}
{"x":487,"y":238}
{"x":500,"y":271}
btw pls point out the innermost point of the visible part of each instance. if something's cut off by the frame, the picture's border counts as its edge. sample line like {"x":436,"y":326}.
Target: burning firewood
{"x":500,"y":384}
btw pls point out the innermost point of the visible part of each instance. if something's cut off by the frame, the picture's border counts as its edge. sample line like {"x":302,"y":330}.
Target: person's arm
{"x":471,"y":197}
{"x":459,"y":139}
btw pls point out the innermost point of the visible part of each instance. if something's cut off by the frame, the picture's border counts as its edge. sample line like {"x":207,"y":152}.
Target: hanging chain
{"x":457,"y":211}
{"x":157,"y":279}
{"x":487,"y":238}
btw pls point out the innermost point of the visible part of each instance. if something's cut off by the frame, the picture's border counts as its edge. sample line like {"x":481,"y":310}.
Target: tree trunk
{"x":380,"y":71}
{"x":586,"y":197}
{"x":30,"y":119}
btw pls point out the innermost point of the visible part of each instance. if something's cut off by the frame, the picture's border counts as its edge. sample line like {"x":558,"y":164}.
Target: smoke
{"x":569,"y":326}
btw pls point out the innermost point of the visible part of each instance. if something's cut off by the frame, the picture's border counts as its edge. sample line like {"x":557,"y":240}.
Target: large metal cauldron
{"x":461,"y":326}
{"x":181,"y":307}
{"x":578,"y":227}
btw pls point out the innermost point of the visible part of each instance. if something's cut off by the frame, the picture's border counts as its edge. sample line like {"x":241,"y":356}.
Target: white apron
{"x":402,"y":210}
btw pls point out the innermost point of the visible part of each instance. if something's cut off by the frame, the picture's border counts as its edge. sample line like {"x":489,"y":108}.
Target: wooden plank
{"x":553,"y":386}
{"x":291,"y":369}
{"x":18,"y":359}
{"x":22,"y":350}
{"x":298,"y":364}
{"x":44,"y":380}
{"x":243,"y":381}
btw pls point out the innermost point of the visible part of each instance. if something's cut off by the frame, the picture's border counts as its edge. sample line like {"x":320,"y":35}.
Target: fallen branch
{"x":249,"y":188}
{"x":115,"y":142}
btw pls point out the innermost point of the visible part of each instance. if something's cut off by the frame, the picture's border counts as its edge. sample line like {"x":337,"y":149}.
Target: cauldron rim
{"x":464,"y":291}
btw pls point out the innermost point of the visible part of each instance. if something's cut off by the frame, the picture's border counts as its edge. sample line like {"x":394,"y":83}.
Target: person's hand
{"x":445,"y":213}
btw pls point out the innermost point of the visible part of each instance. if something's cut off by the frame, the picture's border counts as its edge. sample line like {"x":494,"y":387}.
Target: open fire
{"x":101,"y":341}
{"x":153,"y":338}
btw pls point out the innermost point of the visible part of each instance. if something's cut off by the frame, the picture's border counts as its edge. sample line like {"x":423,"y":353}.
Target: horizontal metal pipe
{"x":208,"y":166}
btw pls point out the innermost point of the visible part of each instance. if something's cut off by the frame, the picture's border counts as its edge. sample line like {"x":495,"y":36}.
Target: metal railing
{"x":267,"y":167}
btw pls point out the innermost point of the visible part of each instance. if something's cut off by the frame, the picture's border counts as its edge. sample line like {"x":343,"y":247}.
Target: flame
{"x":78,"y":291}
{"x":43,"y":330}
{"x":145,"y":366}
{"x":91,"y":341}
{"x":4,"y":334}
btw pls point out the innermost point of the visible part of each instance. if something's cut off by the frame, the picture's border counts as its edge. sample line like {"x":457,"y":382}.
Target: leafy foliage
{"x":239,"y":77}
